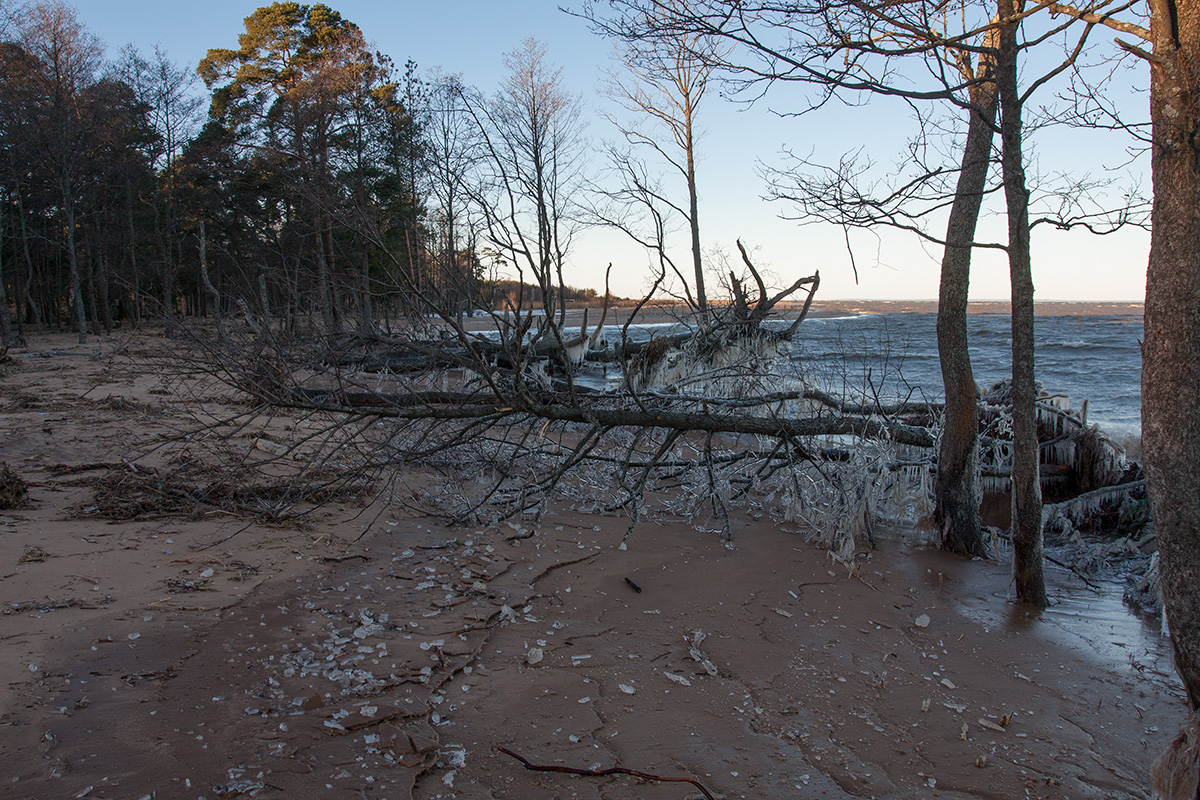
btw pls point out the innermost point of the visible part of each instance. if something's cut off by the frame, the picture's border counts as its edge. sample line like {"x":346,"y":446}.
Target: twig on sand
{"x":601,"y":772}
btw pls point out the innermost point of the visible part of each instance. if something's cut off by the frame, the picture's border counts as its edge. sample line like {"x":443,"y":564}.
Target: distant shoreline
{"x":661,"y":312}
{"x":1045,"y":308}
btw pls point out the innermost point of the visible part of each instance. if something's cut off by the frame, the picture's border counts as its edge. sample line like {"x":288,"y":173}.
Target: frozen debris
{"x":694,"y":643}
{"x":626,"y":688}
{"x":455,"y":756}
{"x":677,"y":678}
{"x":534,"y":656}
{"x":507,"y":614}
{"x":922,"y":621}
{"x":783,"y":613}
{"x":991,"y":726}
{"x":949,"y":684}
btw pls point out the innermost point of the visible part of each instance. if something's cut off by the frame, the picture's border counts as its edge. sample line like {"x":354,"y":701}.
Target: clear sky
{"x":471,"y":36}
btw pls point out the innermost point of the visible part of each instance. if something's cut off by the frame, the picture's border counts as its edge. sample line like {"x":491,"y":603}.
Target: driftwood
{"x":1089,"y":503}
{"x":764,"y":305}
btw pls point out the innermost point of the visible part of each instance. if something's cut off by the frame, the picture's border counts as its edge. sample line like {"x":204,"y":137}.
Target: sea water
{"x":1086,"y":352}
{"x":1085,"y":355}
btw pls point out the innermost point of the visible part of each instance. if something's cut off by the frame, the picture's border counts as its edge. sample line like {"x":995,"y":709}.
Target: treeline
{"x":311,"y":193}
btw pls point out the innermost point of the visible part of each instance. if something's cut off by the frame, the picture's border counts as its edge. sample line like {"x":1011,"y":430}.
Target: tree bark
{"x":1026,"y":486}
{"x":957,"y":490}
{"x":1171,"y":351}
{"x":694,"y":212}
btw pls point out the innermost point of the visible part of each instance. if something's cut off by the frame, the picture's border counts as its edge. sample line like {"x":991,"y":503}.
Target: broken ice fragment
{"x":922,"y":621}
{"x":677,"y":678}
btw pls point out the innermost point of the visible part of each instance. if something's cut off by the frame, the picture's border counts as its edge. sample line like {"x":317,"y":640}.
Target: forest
{"x":329,"y":227}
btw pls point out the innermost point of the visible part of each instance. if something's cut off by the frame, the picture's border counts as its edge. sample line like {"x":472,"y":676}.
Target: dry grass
{"x":14,"y":493}
{"x":194,"y":490}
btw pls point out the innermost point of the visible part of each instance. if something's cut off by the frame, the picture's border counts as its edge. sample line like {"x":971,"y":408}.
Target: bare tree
{"x":1026,"y":483}
{"x":957,"y":489}
{"x":452,"y":156}
{"x":166,"y":90}
{"x":532,"y":140}
{"x":663,"y":82}
{"x":68,"y":58}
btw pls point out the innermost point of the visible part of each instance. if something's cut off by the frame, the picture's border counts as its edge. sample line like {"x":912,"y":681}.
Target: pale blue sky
{"x":471,"y":36}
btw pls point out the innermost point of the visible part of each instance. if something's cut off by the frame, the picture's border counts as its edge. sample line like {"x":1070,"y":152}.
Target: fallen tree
{"x":713,"y":417}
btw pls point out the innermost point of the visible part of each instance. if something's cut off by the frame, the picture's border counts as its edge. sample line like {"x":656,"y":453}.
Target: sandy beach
{"x":372,"y":652}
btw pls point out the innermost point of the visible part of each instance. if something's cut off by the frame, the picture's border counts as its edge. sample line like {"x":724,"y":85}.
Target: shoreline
{"x":388,"y":657}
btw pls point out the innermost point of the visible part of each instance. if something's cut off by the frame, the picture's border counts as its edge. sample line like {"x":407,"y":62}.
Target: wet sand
{"x":211,"y":657}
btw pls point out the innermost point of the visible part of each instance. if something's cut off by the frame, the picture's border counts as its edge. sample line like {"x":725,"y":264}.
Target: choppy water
{"x":893,"y":356}
{"x":1087,"y":356}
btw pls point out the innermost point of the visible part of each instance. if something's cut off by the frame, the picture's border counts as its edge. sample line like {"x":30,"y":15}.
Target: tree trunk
{"x":1026,"y":486}
{"x":5,"y":320}
{"x":166,"y":248}
{"x":694,"y":216}
{"x":73,"y":259}
{"x":1170,"y":366}
{"x":132,"y":306}
{"x":366,"y":314}
{"x":206,"y":280}
{"x":1171,"y":351}
{"x":264,"y":299}
{"x":28,"y":295}
{"x":19,"y":286}
{"x":93,"y":291}
{"x":105,"y":300}
{"x":957,"y":490}
{"x":324,"y":281}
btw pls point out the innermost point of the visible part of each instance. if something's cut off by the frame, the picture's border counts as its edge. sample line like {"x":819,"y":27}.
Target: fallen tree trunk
{"x":433,"y":405}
